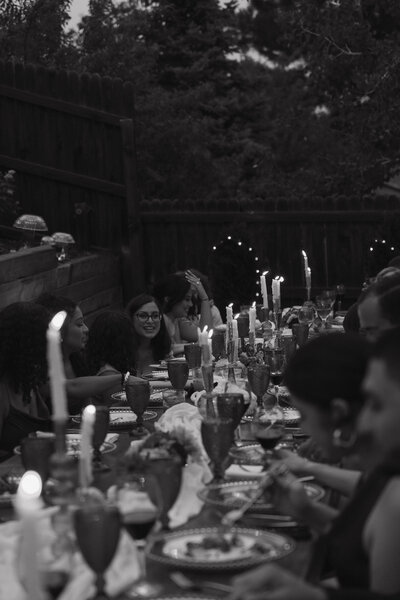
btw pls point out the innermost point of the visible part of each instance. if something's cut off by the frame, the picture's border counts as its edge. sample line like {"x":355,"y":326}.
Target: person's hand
{"x":288,"y":492}
{"x":196,"y":284}
{"x":295,"y":463}
{"x":273,"y":583}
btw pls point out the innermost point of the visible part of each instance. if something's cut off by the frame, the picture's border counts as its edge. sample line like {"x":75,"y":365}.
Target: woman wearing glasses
{"x":150,"y":337}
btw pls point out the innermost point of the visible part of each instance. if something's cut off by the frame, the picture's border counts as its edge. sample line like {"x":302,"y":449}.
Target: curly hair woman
{"x":23,"y":372}
{"x":150,"y":337}
{"x":80,"y":385}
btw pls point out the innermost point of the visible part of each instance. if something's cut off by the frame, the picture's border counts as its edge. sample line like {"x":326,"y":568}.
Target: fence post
{"x":132,"y":254}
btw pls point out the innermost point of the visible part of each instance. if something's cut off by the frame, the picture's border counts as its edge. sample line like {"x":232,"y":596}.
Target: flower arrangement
{"x":178,"y":443}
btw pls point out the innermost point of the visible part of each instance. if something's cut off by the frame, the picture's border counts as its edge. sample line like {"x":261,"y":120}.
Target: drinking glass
{"x":36,"y":453}
{"x":193,"y":357}
{"x":178,"y":373}
{"x":138,"y":398}
{"x":276,"y":362}
{"x":268,"y":426}
{"x":306,"y":314}
{"x":97,"y":529}
{"x":259,"y":377}
{"x":100,"y":429}
{"x":232,"y":406}
{"x":218,"y":343}
{"x":140,"y":504}
{"x":217,"y":436}
{"x":340,"y":292}
{"x":324,"y":306}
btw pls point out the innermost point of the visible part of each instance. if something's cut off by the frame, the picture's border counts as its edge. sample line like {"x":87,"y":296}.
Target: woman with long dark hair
{"x":23,"y":372}
{"x":151,"y":342}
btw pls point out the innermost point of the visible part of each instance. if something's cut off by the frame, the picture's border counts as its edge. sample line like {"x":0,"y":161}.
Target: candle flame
{"x":90,"y":409}
{"x":265,"y":273}
{"x":304,"y":254}
{"x":279,"y":278}
{"x":210,"y":334}
{"x":237,"y":316}
{"x":230,"y":305}
{"x":205,"y":328}
{"x":30,"y":485}
{"x":58,"y":320}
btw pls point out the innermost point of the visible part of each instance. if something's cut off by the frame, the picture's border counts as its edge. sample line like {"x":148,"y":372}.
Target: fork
{"x":235,"y":515}
{"x":187,"y":584}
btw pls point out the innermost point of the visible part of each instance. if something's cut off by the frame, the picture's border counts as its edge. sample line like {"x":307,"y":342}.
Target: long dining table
{"x":297,"y":561}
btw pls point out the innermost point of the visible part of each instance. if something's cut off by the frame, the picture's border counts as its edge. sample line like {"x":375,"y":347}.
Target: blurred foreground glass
{"x":232,"y":406}
{"x":97,"y":529}
{"x":259,"y":378}
{"x":139,"y":501}
{"x":217,"y":437}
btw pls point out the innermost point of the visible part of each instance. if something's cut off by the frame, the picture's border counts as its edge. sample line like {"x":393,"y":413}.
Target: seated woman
{"x":23,"y":371}
{"x":151,"y":342}
{"x":203,"y":311}
{"x":362,"y":544}
{"x":80,"y":385}
{"x":110,"y":349}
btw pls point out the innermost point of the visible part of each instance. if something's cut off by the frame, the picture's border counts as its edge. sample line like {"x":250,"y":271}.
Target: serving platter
{"x":234,"y":494}
{"x":73,"y":443}
{"x":216,"y":549}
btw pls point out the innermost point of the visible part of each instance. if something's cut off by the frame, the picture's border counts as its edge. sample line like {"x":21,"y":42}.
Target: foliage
{"x":9,"y":205}
{"x":315,"y":116}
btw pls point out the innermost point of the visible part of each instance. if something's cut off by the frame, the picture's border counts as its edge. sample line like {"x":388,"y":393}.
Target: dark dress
{"x":18,"y":426}
{"x":344,"y":544}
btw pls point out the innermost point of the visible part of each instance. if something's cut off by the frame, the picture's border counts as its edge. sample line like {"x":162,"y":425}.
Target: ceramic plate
{"x":235,"y":494}
{"x":73,"y":442}
{"x":123,"y":418}
{"x":291,"y":416}
{"x":155,"y":398}
{"x":215,"y":548}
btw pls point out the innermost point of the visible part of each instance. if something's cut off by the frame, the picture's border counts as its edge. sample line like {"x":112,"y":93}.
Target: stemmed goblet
{"x":193,"y":357}
{"x":276,"y":362}
{"x":178,"y":373}
{"x":138,"y":398}
{"x":217,"y":436}
{"x":259,"y":377}
{"x":268,"y":426}
{"x":232,"y":406}
{"x":100,"y":429}
{"x":324,"y":306}
{"x":140,"y":503}
{"x":97,"y":529}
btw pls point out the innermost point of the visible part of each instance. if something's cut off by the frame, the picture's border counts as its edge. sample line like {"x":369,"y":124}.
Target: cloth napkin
{"x":196,"y":474}
{"x":122,"y":572}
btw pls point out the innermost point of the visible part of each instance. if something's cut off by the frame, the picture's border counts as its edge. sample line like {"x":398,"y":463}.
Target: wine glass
{"x":324,"y":306}
{"x":217,"y":436}
{"x":306,"y":314}
{"x":193,"y":357}
{"x":178,"y":373}
{"x":268,"y":426}
{"x":138,"y":398}
{"x":97,"y":529}
{"x":259,"y":377}
{"x":276,"y":362}
{"x":340,"y":292}
{"x":232,"y":406}
{"x":139,"y":501}
{"x":100,"y":429}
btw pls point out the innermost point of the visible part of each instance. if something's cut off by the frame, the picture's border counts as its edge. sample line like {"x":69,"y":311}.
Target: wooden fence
{"x":71,"y":140}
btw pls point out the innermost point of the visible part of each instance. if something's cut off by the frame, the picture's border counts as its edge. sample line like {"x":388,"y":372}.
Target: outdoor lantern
{"x":29,"y":226}
{"x":63,"y":241}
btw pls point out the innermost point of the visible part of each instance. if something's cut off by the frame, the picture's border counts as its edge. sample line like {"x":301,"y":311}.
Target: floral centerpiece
{"x":176,"y":443}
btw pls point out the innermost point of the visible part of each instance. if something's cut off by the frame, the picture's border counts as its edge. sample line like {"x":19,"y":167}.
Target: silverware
{"x":183,"y":582}
{"x":236,"y":514}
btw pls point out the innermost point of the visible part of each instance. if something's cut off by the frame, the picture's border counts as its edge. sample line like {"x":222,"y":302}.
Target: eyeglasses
{"x":143,"y":317}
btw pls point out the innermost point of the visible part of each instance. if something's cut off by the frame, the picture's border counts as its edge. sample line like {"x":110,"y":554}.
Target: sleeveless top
{"x":18,"y":424}
{"x":344,"y":542}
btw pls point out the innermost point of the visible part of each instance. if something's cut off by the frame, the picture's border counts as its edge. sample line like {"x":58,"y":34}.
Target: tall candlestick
{"x":252,"y":318}
{"x":264,"y":289}
{"x":229,"y":313}
{"x":205,"y":344}
{"x":308,"y":283}
{"x":27,"y":505}
{"x":276,"y":292}
{"x":235,"y":330}
{"x":56,"y":368}
{"x":85,"y":460}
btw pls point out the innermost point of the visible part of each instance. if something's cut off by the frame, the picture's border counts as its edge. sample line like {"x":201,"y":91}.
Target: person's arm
{"x":336,"y":478}
{"x":381,"y":539}
{"x":205,"y":309}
